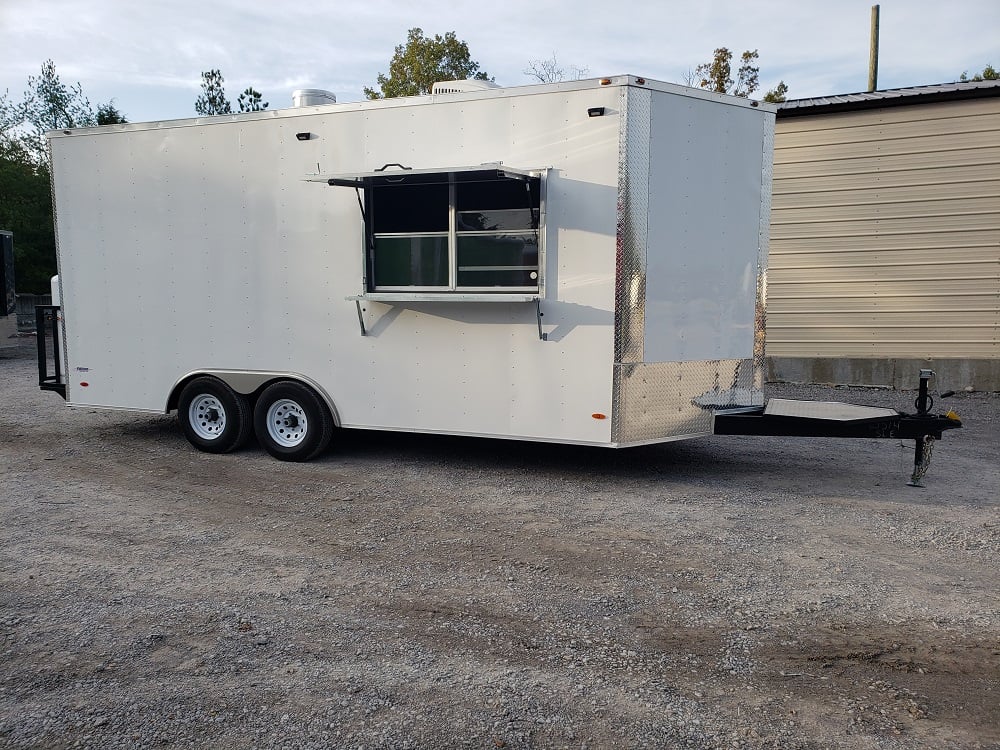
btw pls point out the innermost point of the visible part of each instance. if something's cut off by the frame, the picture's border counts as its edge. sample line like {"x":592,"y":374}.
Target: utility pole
{"x":873,"y":54}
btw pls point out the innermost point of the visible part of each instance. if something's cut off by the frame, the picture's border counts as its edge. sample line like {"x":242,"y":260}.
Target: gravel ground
{"x":412,"y":592}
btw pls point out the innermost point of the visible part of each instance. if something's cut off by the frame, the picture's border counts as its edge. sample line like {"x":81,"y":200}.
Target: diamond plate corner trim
{"x":764,"y":241}
{"x":59,"y":260}
{"x":664,"y":400}
{"x":633,"y":208}
{"x":630,"y":241}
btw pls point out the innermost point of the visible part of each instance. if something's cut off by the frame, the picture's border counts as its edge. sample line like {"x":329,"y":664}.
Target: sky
{"x":148,"y":55}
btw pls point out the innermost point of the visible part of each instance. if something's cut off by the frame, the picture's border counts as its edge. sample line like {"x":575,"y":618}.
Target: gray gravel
{"x":410,"y":592}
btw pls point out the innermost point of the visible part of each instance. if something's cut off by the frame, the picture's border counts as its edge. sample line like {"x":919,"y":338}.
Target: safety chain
{"x":920,"y":469}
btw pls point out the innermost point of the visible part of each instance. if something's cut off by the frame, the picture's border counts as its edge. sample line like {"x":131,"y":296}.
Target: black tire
{"x":292,"y":422}
{"x":214,"y":417}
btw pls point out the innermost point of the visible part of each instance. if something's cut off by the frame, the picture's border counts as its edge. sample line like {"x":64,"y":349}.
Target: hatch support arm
{"x":542,"y":336}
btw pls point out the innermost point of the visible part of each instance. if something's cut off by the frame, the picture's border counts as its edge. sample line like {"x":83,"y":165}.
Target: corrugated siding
{"x":885,"y":233}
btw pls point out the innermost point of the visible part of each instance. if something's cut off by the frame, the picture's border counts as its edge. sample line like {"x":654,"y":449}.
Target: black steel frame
{"x":922,"y":427}
{"x":901,"y":426}
{"x":47,"y":322}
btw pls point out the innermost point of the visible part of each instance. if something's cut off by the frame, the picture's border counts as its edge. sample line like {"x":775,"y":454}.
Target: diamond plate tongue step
{"x":832,"y":410}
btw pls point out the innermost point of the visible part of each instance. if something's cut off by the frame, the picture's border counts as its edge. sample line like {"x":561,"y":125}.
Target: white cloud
{"x":149,"y":55}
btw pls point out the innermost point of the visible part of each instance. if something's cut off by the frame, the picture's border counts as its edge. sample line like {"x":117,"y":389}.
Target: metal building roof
{"x":889,"y":97}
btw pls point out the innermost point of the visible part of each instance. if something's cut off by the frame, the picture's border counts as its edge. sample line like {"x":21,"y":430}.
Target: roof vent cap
{"x":462,"y":87}
{"x":312,"y":97}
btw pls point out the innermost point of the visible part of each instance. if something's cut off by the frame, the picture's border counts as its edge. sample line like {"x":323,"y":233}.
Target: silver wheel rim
{"x":287,"y":424}
{"x":207,"y":417}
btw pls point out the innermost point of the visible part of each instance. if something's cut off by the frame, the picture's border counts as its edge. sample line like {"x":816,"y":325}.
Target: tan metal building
{"x":885,"y":238}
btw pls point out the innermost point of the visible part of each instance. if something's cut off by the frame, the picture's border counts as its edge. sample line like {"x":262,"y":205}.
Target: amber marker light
{"x":598,"y":415}
{"x":605,"y":81}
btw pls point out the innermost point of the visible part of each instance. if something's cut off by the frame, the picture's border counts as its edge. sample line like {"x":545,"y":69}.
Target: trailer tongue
{"x":787,"y":417}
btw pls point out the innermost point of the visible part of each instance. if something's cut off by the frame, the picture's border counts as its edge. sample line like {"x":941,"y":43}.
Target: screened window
{"x":462,"y":231}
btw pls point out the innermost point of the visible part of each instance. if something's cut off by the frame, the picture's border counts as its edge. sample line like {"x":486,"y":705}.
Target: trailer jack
{"x":789,"y":418}
{"x":925,"y":443}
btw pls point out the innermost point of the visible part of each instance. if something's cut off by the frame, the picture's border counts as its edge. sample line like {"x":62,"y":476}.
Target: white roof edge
{"x":615,"y":81}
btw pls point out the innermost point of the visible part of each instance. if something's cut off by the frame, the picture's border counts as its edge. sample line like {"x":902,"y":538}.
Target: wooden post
{"x":873,"y":54}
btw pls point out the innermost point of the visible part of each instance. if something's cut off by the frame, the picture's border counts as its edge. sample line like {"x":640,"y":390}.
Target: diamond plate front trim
{"x":663,"y":400}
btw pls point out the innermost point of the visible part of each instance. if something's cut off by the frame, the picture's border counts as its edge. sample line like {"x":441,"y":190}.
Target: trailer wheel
{"x":292,"y":422}
{"x":214,"y":417}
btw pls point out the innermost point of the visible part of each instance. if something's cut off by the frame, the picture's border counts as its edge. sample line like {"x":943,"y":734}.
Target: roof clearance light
{"x":605,"y":81}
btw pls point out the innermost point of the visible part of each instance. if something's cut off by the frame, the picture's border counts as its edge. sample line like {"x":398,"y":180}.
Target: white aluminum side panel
{"x":201,"y":247}
{"x":705,"y":180}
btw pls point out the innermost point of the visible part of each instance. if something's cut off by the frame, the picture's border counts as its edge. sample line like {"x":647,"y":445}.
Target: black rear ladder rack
{"x":47,"y":320}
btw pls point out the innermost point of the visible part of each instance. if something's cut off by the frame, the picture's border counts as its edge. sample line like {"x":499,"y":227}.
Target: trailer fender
{"x":250,"y":383}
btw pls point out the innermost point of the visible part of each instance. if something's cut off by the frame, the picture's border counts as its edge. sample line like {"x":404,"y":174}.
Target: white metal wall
{"x":704,"y":220}
{"x":226,"y":258}
{"x":885,"y":233}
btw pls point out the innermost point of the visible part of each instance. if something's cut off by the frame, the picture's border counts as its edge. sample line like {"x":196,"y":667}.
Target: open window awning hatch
{"x":395,"y":174}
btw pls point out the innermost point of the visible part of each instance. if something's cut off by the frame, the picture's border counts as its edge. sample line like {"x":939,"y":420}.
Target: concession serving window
{"x":456,"y":233}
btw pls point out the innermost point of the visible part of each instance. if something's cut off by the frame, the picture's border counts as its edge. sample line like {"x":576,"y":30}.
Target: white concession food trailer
{"x":580,"y":262}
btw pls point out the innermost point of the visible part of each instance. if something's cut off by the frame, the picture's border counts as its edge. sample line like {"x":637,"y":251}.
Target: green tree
{"x":10,"y":118}
{"x":989,"y":74}
{"x":25,"y":192}
{"x":422,"y":61}
{"x":48,"y":104}
{"x":250,"y":101}
{"x":777,"y":94}
{"x":717,"y":75}
{"x":108,"y":114}
{"x":212,"y":100}
{"x":26,"y":210}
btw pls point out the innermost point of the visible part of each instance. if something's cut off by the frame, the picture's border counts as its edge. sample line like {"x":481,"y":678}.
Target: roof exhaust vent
{"x":462,"y":87}
{"x":312,"y":97}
